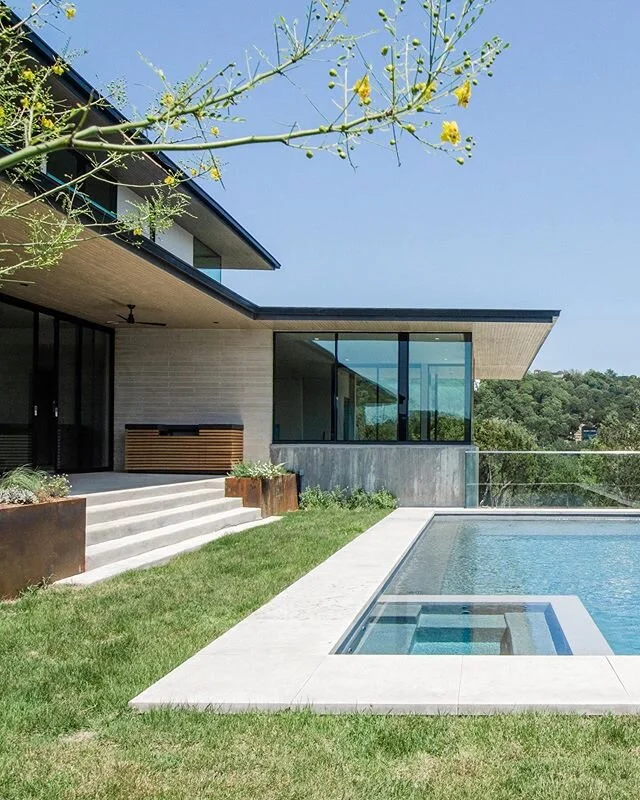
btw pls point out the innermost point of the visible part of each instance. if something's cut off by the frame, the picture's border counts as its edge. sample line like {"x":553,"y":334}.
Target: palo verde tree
{"x":406,"y":80}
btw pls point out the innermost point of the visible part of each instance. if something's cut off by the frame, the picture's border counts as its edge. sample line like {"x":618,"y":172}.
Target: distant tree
{"x":504,"y":475}
{"x":508,"y":478}
{"x":619,"y":475}
{"x":552,"y":407}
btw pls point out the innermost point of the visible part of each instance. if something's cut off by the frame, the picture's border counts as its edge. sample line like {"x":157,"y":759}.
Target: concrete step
{"x":122,"y":495}
{"x":107,"y":552}
{"x":110,"y":511}
{"x":140,"y":523}
{"x":160,"y":555}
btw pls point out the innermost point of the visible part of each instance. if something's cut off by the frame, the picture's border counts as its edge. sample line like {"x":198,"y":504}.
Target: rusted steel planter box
{"x":273,"y":496}
{"x":45,"y":541}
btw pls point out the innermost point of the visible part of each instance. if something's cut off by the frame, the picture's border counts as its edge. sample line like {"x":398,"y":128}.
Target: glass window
{"x":16,"y":402}
{"x":372,"y":387}
{"x":206,"y":260}
{"x":95,"y":401}
{"x":439,"y":388}
{"x":367,"y":387}
{"x":65,"y":165}
{"x":303,"y":386}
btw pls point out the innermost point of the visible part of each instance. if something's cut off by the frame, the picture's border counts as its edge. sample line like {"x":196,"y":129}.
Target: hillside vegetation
{"x":543,"y":412}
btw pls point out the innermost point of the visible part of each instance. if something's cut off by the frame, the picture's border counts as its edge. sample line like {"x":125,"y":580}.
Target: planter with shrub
{"x":42,"y":530}
{"x":260,"y":484}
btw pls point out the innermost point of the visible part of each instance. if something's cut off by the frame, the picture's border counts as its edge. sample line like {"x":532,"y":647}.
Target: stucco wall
{"x":419,"y":475}
{"x":177,"y":241}
{"x":190,"y":376}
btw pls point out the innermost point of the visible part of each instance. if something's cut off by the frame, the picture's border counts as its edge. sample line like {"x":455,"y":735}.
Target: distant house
{"x":585,"y":433}
{"x":354,"y":396}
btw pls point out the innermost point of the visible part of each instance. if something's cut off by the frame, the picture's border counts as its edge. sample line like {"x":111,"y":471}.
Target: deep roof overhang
{"x":245,"y":247}
{"x":505,"y":341}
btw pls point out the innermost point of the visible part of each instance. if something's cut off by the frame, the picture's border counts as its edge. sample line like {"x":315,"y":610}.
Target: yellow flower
{"x":39,"y":106}
{"x":25,"y":102}
{"x":425,"y":91}
{"x":214,"y":172}
{"x":47,"y":123}
{"x":193,"y":171}
{"x":167,"y":100}
{"x":362,"y":88}
{"x":450,"y":133}
{"x":57,"y":69}
{"x":29,"y":75}
{"x":70,"y":12}
{"x":170,"y":180}
{"x":2,"y":115}
{"x":215,"y":131}
{"x":463,"y":93}
{"x":137,"y":231}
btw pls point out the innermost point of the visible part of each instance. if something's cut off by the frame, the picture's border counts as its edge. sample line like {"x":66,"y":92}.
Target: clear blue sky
{"x":545,"y":216}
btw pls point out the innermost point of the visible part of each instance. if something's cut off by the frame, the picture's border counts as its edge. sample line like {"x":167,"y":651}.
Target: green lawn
{"x":71,"y":659}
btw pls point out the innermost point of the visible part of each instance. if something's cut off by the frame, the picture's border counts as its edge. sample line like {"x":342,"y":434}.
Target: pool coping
{"x":280,"y":657}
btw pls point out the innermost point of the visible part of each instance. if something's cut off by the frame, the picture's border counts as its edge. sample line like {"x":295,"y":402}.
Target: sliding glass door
{"x":56,"y":397}
{"x":16,"y":392}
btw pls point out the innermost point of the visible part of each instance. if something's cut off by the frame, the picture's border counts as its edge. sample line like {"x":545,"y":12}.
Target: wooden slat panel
{"x":214,"y":450}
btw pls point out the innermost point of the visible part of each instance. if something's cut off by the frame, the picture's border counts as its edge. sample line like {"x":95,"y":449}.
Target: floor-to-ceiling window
{"x":56,"y":392}
{"x":303,"y":387}
{"x":16,"y":392}
{"x":439,"y":387}
{"x":372,"y":387}
{"x":367,"y":387}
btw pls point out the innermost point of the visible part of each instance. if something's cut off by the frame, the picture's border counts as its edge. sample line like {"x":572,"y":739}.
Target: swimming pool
{"x":513,"y":559}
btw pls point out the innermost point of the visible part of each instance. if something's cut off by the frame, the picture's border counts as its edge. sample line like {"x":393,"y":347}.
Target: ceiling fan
{"x":131,"y":320}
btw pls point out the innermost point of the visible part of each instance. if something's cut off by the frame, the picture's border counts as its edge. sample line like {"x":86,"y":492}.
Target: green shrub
{"x":16,"y":496}
{"x":257,"y":469}
{"x":313,"y":497}
{"x":24,"y":485}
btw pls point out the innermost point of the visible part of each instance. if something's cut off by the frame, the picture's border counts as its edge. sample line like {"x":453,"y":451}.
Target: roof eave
{"x":85,"y":90}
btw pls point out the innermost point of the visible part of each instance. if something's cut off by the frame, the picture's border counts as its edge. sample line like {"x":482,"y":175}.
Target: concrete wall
{"x":419,"y":475}
{"x":191,"y":376}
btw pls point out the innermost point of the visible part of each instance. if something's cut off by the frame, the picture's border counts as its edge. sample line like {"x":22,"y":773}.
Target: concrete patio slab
{"x":574,"y":684}
{"x":232,"y":682}
{"x":383,"y":685}
{"x":627,"y":668}
{"x":83,"y":483}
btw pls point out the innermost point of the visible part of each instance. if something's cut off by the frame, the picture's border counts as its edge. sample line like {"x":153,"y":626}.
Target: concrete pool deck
{"x":281,"y":656}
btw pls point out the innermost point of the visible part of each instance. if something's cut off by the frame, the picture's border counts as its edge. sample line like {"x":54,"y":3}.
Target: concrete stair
{"x":133,"y":528}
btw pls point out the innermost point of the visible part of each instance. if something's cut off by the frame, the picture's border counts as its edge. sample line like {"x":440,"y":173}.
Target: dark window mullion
{"x":334,"y":390}
{"x":403,"y":387}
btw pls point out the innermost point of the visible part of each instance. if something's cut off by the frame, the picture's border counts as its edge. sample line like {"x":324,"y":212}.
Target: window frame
{"x":403,"y":391}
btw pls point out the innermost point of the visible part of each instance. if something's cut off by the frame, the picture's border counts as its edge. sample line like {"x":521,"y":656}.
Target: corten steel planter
{"x":273,"y":496}
{"x":44,"y":541}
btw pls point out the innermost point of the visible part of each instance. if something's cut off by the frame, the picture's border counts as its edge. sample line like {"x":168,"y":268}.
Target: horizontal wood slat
{"x":211,"y":450}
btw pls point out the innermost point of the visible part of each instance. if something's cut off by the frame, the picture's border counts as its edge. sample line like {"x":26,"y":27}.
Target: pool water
{"x":596,"y":558}
{"x":454,"y":628}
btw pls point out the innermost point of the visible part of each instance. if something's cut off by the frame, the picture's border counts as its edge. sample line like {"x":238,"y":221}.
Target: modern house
{"x":347,"y":396}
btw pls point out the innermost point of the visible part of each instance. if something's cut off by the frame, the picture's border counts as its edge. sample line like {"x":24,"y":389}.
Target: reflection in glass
{"x":367,"y":387}
{"x":16,"y":369}
{"x":303,"y":386}
{"x":439,"y":388}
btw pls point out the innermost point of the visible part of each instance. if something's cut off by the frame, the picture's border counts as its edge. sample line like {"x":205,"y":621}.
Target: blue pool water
{"x":595,"y":558}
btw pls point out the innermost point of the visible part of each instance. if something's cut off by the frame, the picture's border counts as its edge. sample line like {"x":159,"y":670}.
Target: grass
{"x":71,"y":659}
